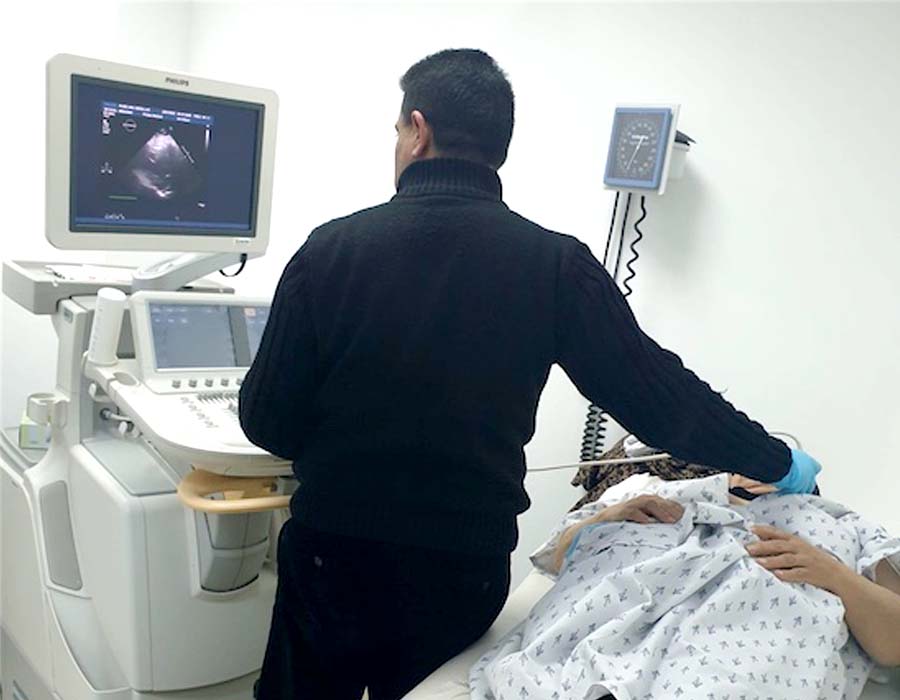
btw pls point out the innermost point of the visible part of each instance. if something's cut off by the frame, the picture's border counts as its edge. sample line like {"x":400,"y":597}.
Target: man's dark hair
{"x":468,"y":101}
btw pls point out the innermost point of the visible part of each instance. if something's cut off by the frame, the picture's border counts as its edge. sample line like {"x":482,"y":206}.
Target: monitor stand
{"x":172,"y":273}
{"x":39,"y":286}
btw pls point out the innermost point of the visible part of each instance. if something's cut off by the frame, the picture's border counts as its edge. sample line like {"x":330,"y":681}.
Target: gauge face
{"x":639,"y":144}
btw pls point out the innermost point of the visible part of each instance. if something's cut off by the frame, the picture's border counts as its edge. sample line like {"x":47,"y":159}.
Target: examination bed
{"x":450,"y":681}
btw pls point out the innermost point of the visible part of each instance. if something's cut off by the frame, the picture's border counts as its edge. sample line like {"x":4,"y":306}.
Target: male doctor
{"x":400,"y":371}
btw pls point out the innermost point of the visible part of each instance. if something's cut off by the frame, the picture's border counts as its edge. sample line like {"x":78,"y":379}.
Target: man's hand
{"x":795,"y":560}
{"x":642,"y":509}
{"x":801,"y":477}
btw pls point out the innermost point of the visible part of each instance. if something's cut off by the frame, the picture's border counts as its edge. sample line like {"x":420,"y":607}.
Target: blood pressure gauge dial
{"x":639,"y":147}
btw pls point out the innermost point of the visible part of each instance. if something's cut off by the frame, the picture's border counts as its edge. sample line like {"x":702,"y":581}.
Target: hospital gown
{"x":682,"y":611}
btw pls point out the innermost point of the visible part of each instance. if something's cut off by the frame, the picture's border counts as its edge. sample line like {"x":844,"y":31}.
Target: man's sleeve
{"x":647,"y":389}
{"x":277,"y":394}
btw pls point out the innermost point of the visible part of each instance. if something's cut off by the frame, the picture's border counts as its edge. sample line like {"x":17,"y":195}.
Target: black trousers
{"x":352,"y":614}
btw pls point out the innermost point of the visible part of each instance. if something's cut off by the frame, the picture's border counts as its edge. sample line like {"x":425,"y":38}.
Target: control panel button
{"x":176,"y":383}
{"x":209,"y":382}
{"x":238,"y":381}
{"x":225,"y":382}
{"x":192,"y":383}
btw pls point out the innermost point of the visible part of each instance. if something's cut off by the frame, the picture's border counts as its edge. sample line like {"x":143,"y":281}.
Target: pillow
{"x":597,"y":479}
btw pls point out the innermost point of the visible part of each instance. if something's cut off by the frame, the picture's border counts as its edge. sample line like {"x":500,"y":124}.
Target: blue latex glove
{"x":802,"y":476}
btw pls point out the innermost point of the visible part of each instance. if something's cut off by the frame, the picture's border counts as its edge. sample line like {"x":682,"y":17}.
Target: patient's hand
{"x":738,"y":481}
{"x":758,"y":488}
{"x":641,"y":509}
{"x":795,"y":560}
{"x":871,"y":611}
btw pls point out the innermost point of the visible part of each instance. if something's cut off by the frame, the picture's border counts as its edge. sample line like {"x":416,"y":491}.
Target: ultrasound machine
{"x":137,"y":529}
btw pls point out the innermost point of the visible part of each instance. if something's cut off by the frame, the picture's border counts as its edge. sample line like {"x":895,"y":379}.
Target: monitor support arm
{"x":172,"y":273}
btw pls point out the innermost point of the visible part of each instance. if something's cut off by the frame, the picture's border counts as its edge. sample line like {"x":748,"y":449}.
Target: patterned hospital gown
{"x":681,"y":611}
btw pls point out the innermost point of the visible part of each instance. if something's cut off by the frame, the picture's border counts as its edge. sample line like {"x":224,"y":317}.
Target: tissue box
{"x":33,"y":436}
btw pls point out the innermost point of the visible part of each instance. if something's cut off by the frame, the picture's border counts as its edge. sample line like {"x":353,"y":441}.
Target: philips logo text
{"x":177,"y":81}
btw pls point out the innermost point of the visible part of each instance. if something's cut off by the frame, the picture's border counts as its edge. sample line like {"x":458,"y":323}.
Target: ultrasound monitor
{"x":146,"y":160}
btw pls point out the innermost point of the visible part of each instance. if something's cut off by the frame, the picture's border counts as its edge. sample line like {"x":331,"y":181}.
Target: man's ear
{"x":424,"y":134}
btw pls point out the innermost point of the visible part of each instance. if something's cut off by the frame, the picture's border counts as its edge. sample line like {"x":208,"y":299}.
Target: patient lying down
{"x":676,"y":590}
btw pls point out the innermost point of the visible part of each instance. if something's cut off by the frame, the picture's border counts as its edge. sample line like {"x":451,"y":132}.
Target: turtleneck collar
{"x":451,"y":176}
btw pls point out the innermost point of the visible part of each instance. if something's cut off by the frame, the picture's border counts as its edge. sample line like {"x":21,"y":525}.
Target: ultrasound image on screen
{"x":146,"y":160}
{"x":191,"y":336}
{"x":155,"y":156}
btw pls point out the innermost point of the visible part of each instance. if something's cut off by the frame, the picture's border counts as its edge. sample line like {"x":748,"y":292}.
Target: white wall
{"x":768,"y":267}
{"x":154,"y":35}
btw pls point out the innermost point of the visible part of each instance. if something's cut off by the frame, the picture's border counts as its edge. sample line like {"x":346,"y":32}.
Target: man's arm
{"x":277,"y":393}
{"x":647,"y":389}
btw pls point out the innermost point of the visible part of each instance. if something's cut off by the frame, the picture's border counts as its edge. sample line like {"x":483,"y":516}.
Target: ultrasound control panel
{"x":197,"y":343}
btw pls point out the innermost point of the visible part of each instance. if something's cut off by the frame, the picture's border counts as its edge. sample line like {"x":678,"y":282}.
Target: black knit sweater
{"x":408,"y":345}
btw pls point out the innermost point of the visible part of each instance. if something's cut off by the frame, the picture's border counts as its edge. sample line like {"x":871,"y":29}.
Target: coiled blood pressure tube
{"x":106,"y":328}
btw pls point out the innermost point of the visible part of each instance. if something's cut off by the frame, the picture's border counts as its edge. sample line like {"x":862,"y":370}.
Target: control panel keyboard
{"x":225,"y":400}
{"x":217,"y":410}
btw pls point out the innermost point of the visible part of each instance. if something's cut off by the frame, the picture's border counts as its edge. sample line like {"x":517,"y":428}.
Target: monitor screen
{"x":148,"y":160}
{"x":192,"y":336}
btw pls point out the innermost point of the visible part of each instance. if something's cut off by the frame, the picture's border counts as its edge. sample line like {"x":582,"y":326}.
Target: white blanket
{"x":681,"y":611}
